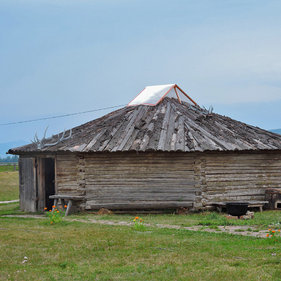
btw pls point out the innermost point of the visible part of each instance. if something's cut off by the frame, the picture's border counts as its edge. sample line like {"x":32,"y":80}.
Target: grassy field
{"x":82,"y":251}
{"x":8,"y":168}
{"x":262,"y":220}
{"x":32,"y":249}
{"x":9,"y":183}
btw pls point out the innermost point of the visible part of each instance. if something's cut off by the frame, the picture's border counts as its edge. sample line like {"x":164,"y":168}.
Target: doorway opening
{"x":48,"y":180}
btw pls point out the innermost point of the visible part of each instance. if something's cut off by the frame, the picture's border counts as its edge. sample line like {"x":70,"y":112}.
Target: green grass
{"x":8,"y":168}
{"x":9,"y":185}
{"x":83,"y":251}
{"x":10,"y":209}
{"x":262,"y":220}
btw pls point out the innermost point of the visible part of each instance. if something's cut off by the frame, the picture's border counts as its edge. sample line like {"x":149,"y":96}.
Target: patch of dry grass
{"x":9,"y":186}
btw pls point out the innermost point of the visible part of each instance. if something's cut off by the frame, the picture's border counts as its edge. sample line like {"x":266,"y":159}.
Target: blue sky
{"x":67,"y":56}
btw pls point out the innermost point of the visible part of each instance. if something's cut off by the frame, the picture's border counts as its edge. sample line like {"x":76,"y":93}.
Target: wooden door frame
{"x":40,"y":174}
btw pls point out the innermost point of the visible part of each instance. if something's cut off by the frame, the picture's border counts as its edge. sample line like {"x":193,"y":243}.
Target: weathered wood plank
{"x":27,"y":184}
{"x":92,"y":205}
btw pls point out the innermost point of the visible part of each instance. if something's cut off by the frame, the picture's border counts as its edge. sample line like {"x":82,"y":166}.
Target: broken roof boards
{"x":152,"y":95}
{"x":168,"y":126}
{"x":158,"y":119}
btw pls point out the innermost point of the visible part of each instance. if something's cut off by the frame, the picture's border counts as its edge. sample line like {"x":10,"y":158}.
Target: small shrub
{"x":138,"y":224}
{"x":55,"y":215}
{"x":275,"y":235}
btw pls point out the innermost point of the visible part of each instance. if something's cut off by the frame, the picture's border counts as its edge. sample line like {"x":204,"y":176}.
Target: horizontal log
{"x":67,"y":187}
{"x":235,"y":189}
{"x":140,"y":189}
{"x":131,"y":187}
{"x":243,"y":182}
{"x":139,"y":173}
{"x":66,"y":156}
{"x":246,"y":178}
{"x":252,"y":165}
{"x":117,"y":198}
{"x":67,"y":196}
{"x":136,"y":170}
{"x":134,"y":175}
{"x":238,"y":192}
{"x":90,"y":205}
{"x":145,"y":156}
{"x":176,"y":181}
{"x":69,"y":163}
{"x":71,"y":191}
{"x":144,"y":197}
{"x":117,"y":181}
{"x":221,"y":197}
{"x":252,"y":202}
{"x":138,"y":195}
{"x":243,"y":163}
{"x":245,"y":171}
{"x":238,"y":157}
{"x":66,"y":177}
{"x":66,"y":182}
{"x":168,"y":161}
{"x":139,"y":184}
{"x":67,"y":174}
{"x":250,"y":168}
{"x":63,"y":169}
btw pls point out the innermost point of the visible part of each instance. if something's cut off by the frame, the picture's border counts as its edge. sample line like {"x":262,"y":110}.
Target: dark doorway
{"x":49,"y":178}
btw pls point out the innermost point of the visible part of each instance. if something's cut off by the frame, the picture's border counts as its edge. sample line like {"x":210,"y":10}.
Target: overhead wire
{"x":60,"y":116}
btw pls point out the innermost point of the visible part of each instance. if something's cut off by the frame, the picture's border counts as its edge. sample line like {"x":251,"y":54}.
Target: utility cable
{"x":60,"y":116}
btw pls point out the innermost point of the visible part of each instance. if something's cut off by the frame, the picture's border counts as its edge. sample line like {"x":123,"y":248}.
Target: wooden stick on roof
{"x":176,"y":86}
{"x":177,"y":94}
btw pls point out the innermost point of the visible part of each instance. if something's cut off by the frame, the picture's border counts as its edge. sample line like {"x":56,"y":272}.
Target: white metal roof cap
{"x":151,"y":95}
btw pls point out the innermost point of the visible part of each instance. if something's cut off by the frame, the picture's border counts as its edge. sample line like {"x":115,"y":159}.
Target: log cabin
{"x":161,"y":151}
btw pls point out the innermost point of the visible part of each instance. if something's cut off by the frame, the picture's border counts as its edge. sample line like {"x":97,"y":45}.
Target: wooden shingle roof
{"x":168,"y":126}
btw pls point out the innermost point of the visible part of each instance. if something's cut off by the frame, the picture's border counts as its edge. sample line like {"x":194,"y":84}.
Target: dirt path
{"x":244,"y":230}
{"x":11,"y":201}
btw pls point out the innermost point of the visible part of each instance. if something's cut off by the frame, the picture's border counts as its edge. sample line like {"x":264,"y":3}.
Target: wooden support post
{"x":68,"y":207}
{"x":55,"y":204}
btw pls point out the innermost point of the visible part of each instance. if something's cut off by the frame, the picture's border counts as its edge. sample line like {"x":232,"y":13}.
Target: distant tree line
{"x":9,"y":159}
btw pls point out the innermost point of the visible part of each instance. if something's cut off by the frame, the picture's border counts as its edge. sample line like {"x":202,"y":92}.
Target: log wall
{"x":240,"y":177}
{"x":134,"y":180}
{"x":68,"y":175}
{"x":160,"y":179}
